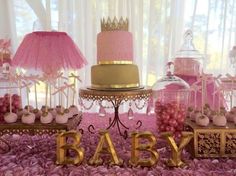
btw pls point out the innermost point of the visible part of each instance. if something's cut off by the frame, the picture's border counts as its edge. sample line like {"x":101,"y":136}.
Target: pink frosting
{"x":115,"y":46}
{"x":187,"y":66}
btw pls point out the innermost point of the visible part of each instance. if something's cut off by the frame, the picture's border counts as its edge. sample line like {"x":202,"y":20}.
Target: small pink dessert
{"x":46,"y":118}
{"x":219,"y":120}
{"x":28,"y":118}
{"x":10,"y":117}
{"x":202,"y":120}
{"x":74,"y":110}
{"x":61,"y":118}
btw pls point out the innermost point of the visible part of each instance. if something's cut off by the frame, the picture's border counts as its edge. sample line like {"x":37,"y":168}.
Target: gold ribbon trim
{"x":115,"y":62}
{"x":115,"y":86}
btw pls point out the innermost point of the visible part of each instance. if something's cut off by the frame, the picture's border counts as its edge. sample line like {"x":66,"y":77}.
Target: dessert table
{"x":116,"y":97}
{"x":40,"y":160}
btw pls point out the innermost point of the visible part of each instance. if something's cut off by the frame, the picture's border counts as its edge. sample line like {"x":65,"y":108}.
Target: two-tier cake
{"x":115,"y":69}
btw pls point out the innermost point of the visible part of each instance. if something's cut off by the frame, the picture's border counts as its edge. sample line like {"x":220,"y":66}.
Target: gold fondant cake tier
{"x":115,"y":76}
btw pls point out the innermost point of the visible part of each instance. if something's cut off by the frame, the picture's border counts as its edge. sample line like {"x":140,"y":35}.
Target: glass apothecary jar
{"x":188,"y":60}
{"x":170,"y":96}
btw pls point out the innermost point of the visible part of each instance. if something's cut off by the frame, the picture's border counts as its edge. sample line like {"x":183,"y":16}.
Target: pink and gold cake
{"x":115,"y":69}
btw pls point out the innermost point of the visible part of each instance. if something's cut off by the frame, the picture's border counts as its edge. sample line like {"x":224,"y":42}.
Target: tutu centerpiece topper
{"x":48,"y":52}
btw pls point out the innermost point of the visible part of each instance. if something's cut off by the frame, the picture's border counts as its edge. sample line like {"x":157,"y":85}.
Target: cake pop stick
{"x":35,"y":94}
{"x":27,"y":94}
{"x":10,"y":100}
{"x":68,"y":86}
{"x":50,"y":95}
{"x":19,"y":85}
{"x":34,"y":79}
{"x":1,"y":57}
{"x":203,"y":95}
{"x":218,"y":91}
{"x":231,"y":89}
{"x":60,"y":90}
{"x":67,"y":98}
{"x":204,"y":78}
{"x":46,"y":97}
{"x":215,"y":81}
{"x":195,"y":88}
{"x":74,"y":82}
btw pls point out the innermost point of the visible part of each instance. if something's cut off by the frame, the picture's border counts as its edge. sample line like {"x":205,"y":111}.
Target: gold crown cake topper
{"x":122,"y":24}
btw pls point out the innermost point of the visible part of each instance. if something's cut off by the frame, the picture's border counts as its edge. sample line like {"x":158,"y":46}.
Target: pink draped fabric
{"x":49,"y":52}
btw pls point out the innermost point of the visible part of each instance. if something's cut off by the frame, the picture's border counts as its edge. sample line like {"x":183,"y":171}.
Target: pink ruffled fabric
{"x":36,"y":155}
{"x":48,"y":51}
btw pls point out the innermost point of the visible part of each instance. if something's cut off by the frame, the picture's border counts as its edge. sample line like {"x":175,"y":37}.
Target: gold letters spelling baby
{"x":105,"y":145}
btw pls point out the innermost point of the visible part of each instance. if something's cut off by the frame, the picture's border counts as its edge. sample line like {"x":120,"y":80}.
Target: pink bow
{"x":33,"y":78}
{"x":74,"y":76}
{"x":26,"y":85}
{"x":60,"y":89}
{"x":71,"y":86}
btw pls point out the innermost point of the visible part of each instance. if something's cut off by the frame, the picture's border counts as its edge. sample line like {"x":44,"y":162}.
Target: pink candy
{"x":170,"y":117}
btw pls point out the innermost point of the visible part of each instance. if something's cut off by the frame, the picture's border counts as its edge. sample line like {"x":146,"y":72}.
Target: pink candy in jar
{"x":170,"y":95}
{"x":170,"y":116}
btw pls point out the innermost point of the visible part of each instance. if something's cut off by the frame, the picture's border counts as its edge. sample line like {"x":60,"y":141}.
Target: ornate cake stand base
{"x":116,"y":98}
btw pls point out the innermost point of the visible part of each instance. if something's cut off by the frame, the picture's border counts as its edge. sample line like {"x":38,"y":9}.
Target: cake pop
{"x":46,"y":117}
{"x":28,"y":118}
{"x":10,"y":117}
{"x":219,"y":120}
{"x":61,"y":118}
{"x":202,"y":120}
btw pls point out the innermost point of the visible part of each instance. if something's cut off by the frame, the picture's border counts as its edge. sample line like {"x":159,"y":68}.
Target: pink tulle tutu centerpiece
{"x":49,"y":52}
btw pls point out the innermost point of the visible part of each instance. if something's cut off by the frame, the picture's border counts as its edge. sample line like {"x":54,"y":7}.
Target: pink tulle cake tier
{"x":187,"y":66}
{"x":114,"y":47}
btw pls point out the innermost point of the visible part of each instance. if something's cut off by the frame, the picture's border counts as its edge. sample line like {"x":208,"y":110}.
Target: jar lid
{"x":170,"y":82}
{"x":188,"y":49}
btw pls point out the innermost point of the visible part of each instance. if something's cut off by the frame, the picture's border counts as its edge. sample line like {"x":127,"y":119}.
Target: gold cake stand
{"x":116,"y":98}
